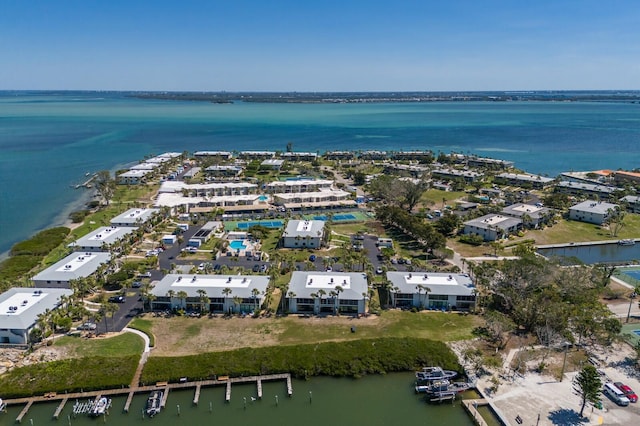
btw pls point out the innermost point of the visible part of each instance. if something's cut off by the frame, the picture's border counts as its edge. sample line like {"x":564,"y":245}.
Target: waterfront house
{"x":256,"y":155}
{"x":327,"y":292}
{"x":20,"y":309}
{"x":523,"y":180}
{"x":314,"y":200}
{"x":339,"y":155}
{"x":303,"y":234}
{"x":468,"y":176}
{"x":213,"y":293}
{"x":591,"y":211}
{"x":492,"y":227}
{"x":488,"y":163}
{"x":76,"y":265}
{"x":133,"y":177}
{"x":622,"y":177}
{"x":432,"y":290}
{"x":632,"y":203}
{"x":102,"y":238}
{"x":134,"y":217}
{"x":373,"y":155}
{"x":532,"y":216}
{"x":412,"y":156}
{"x":603,"y":192}
{"x":299,"y":156}
{"x":299,"y":185}
{"x":222,"y":155}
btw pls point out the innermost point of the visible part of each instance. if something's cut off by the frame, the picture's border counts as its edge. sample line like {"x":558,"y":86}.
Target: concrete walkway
{"x":143,"y":358}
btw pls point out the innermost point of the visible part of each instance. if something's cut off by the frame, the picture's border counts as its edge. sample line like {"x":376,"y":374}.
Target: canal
{"x":595,"y":253}
{"x":321,"y":401}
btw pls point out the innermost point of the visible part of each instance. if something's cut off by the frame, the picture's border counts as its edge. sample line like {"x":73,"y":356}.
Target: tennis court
{"x":266,"y":223}
{"x":337,"y":217}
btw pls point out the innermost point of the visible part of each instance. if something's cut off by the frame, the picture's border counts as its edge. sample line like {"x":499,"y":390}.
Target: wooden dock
{"x":163,"y":403}
{"x":227,"y":395}
{"x":131,"y":391}
{"x":24,"y":411}
{"x":196,"y":397}
{"x":60,"y":408}
{"x":128,"y":403}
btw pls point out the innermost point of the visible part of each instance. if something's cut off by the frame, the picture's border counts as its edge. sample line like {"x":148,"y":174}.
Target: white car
{"x":87,"y":326}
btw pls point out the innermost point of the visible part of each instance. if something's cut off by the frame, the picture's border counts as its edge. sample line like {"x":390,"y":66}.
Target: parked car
{"x":117,"y":299}
{"x":256,"y":268}
{"x":379,"y":271}
{"x":136,"y":284}
{"x":312,"y":258}
{"x":627,"y":391}
{"x":264,"y":268}
{"x":217,"y":267}
{"x":88,"y":326}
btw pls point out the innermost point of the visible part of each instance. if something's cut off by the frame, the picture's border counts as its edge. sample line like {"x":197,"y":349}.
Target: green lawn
{"x":426,"y":325}
{"x":433,"y":197}
{"x":145,"y":326}
{"x":122,"y":345}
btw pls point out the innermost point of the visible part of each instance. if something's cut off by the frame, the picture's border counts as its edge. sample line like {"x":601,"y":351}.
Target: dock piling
{"x":196,"y":397}
{"x":24,"y":411}
{"x":128,"y":403}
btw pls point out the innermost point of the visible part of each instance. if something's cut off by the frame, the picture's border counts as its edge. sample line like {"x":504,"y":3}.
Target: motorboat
{"x":101,"y":407}
{"x":154,"y":403}
{"x":428,"y":374}
{"x":627,"y":242}
{"x":3,"y":405}
{"x":443,"y":386}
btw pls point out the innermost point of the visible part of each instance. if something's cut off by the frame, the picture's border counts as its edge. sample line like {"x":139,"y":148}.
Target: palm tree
{"x":171,"y":294}
{"x":254,"y":293}
{"x":334,"y":296}
{"x":338,"y":290}
{"x":202,"y":295}
{"x":314,"y":296}
{"x":291,"y":295}
{"x":237,"y":300}
{"x":226,"y":291}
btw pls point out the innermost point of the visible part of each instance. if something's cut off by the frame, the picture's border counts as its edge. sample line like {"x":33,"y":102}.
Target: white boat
{"x":154,"y":403}
{"x":428,"y":374}
{"x":627,"y":242}
{"x":443,"y":386}
{"x":101,"y":407}
{"x":3,"y":405}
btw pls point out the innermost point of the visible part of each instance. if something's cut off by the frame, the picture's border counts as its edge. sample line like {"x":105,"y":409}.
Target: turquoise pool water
{"x":237,"y":245}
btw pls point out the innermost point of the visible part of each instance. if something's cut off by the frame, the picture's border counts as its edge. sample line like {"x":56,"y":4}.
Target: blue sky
{"x":357,"y":45}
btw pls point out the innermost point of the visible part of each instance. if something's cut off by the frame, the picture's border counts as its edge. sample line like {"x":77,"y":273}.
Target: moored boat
{"x":101,"y":407}
{"x":428,"y":374}
{"x":441,"y":386}
{"x":3,"y":405}
{"x":154,"y":403}
{"x":627,"y":242}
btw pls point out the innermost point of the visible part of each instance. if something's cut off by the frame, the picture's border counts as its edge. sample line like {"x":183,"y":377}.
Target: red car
{"x":627,"y":391}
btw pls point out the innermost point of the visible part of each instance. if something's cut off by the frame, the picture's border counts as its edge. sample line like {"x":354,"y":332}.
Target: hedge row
{"x":353,"y":358}
{"x":71,"y":375}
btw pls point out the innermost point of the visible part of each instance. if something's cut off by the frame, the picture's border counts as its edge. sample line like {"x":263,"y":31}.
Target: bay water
{"x":372,"y":400}
{"x":49,"y":141}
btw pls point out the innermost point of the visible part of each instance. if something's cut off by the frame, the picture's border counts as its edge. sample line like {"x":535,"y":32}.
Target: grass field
{"x":187,"y":336}
{"x":122,"y":345}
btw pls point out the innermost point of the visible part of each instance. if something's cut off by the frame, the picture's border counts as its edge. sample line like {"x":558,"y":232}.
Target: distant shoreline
{"x":398,"y":97}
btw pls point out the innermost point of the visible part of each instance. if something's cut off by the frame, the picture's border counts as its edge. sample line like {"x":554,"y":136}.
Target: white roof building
{"x":134,"y":217}
{"x":220,"y":289}
{"x":76,"y":265}
{"x":19,"y":310}
{"x":303,"y":234}
{"x":432,"y":290}
{"x":101,"y":238}
{"x":591,"y":211}
{"x":492,"y":226}
{"x":330,"y":292}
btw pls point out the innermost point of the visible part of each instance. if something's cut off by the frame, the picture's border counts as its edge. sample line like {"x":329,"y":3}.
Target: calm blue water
{"x":596,"y":253}
{"x":633,"y":274}
{"x":49,"y":141}
{"x":237,"y":245}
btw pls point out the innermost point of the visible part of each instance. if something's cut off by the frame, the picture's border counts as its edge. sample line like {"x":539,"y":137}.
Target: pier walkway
{"x":131,"y":391}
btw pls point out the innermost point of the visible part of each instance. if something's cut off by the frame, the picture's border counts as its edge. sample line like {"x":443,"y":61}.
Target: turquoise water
{"x":237,"y":245}
{"x":50,"y":141}
{"x":372,"y":400}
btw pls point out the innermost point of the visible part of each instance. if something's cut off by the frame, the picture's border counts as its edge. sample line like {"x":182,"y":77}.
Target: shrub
{"x":352,"y":358}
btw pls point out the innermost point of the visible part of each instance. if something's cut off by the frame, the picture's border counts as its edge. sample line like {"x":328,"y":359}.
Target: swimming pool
{"x":237,"y":245}
{"x":636,"y":332}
